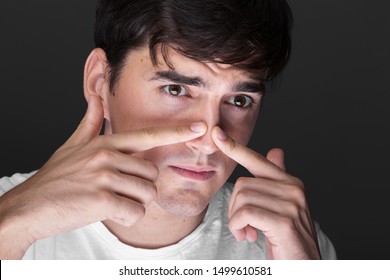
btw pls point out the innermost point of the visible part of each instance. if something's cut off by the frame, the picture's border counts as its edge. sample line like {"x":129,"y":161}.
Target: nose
{"x":205,"y":144}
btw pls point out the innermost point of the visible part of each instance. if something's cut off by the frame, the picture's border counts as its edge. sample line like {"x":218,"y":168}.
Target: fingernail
{"x":221,"y":135}
{"x":198,"y":127}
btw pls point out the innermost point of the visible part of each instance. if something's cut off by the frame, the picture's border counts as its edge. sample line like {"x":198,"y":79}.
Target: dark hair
{"x":253,"y":35}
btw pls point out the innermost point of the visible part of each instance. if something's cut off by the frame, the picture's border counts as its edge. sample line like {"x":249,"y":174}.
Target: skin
{"x":208,"y":101}
{"x":162,"y":159}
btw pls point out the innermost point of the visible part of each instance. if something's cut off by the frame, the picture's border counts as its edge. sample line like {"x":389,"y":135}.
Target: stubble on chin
{"x":187,"y":203}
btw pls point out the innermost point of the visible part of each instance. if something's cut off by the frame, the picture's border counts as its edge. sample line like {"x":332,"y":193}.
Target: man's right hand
{"x":90,"y":178}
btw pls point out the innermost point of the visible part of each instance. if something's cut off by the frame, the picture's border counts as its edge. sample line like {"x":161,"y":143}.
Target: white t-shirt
{"x":210,"y":240}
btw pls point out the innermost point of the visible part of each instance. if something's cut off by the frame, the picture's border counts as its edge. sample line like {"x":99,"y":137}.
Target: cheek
{"x":229,"y":166}
{"x":130,"y":112}
{"x":152,"y":155}
{"x":239,"y":124}
{"x":240,"y":131}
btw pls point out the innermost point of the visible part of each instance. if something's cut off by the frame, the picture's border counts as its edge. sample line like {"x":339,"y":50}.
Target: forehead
{"x":173,"y":60}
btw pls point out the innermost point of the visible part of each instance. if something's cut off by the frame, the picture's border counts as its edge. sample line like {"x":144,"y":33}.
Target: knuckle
{"x":232,"y":225}
{"x":105,"y":177}
{"x":153,"y":170}
{"x":180,"y":130}
{"x":243,"y":195}
{"x":298,"y":182}
{"x":124,"y":209}
{"x":150,"y":192}
{"x":99,"y":156}
{"x":247,"y":212}
{"x":232,"y":145}
{"x":149,"y":132}
{"x":293,"y":210}
{"x":129,"y":213}
{"x":135,"y":212}
{"x":143,"y":191}
{"x":245,"y":182}
{"x":241,"y":181}
{"x":103,"y":200}
{"x":298,"y":195}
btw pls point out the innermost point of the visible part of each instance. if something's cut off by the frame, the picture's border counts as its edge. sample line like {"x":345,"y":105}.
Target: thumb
{"x":90,"y":125}
{"x":276,"y":156}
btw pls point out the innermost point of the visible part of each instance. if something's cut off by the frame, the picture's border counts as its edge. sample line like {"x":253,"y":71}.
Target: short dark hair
{"x":253,"y":35}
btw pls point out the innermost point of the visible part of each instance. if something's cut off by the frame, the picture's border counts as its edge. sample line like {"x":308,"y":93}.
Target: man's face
{"x":145,"y":95}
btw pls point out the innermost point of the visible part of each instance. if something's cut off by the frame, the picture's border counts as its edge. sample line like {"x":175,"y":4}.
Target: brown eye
{"x":241,"y":101}
{"x":175,"y":90}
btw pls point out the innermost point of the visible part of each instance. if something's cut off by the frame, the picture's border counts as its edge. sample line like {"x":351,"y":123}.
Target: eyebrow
{"x":177,"y":78}
{"x":253,"y":87}
{"x":174,"y":77}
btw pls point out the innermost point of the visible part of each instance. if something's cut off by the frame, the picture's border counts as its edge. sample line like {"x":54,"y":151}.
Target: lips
{"x":194,"y":172}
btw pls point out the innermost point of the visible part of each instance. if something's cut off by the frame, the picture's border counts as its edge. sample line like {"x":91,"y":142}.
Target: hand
{"x":273,"y":202}
{"x":90,"y":178}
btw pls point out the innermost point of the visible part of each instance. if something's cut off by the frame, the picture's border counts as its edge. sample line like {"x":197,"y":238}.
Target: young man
{"x":178,"y":85}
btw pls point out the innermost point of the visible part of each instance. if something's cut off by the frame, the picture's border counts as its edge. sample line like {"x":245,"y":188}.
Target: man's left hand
{"x":273,"y":202}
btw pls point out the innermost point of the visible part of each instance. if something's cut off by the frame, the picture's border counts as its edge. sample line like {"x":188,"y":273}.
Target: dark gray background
{"x":329,"y":111}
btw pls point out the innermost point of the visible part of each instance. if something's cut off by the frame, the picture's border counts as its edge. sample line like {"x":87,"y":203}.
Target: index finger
{"x":151,"y":137}
{"x":254,"y":162}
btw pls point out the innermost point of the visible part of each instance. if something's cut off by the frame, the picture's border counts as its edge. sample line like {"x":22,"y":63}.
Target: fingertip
{"x":278,"y":151}
{"x":239,"y":235}
{"x":198,"y":127}
{"x":276,"y":156}
{"x":95,"y":102}
{"x":95,"y":110}
{"x":91,"y":97}
{"x":218,"y":134}
{"x":251,"y":233}
{"x":91,"y":103}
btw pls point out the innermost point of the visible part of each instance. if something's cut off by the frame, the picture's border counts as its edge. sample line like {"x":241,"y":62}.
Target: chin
{"x":188,"y":203}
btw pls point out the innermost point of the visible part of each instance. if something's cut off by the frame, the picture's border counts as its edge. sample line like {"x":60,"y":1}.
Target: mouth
{"x":194,"y":172}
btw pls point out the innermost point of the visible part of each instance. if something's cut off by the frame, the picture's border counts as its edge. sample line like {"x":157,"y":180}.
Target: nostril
{"x":203,"y":144}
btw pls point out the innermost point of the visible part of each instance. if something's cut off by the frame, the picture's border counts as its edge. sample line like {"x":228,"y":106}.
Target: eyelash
{"x":246,"y":108}
{"x":164,"y":90}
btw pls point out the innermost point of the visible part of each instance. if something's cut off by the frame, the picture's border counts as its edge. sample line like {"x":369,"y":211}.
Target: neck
{"x":156,"y":229}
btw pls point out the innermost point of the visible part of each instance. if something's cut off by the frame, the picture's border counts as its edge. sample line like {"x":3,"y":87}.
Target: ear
{"x":96,"y":80}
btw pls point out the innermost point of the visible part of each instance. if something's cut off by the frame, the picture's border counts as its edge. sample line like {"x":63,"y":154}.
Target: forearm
{"x":16,"y":222}
{"x":13,"y":238}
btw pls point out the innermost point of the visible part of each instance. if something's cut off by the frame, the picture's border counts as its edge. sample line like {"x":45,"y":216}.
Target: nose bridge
{"x":209,"y":113}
